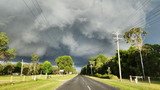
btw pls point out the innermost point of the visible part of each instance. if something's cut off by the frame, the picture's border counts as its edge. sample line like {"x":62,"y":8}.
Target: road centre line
{"x":86,"y":84}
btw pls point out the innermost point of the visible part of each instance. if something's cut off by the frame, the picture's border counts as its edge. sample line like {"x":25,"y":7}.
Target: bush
{"x":106,"y":76}
{"x":113,"y":77}
{"x":98,"y":75}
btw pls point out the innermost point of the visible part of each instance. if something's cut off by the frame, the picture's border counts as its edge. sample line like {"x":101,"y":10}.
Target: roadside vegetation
{"x":33,"y":75}
{"x":41,"y":84}
{"x":139,"y":60}
{"x":127,"y":85}
{"x":64,"y":63}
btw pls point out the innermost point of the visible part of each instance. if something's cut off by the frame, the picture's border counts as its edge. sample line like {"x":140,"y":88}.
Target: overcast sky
{"x":80,"y":28}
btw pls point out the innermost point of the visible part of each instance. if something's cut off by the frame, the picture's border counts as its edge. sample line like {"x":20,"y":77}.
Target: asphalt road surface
{"x":84,"y":83}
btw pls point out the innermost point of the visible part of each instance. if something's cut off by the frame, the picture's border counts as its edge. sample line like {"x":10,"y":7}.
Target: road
{"x":84,"y":83}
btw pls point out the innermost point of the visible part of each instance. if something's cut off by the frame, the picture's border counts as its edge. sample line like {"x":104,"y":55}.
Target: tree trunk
{"x":46,"y":75}
{"x":140,"y":52}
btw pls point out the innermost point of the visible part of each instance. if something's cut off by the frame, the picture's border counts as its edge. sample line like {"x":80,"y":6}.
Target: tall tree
{"x":4,"y":40}
{"x":96,"y":65}
{"x":47,"y":67}
{"x":135,"y":37}
{"x":6,"y":54}
{"x":10,"y":54}
{"x":35,"y":59}
{"x":65,"y":62}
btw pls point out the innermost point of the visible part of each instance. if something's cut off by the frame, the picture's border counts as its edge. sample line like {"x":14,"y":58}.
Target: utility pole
{"x":119,"y":62}
{"x":86,"y":70}
{"x":91,"y":69}
{"x":22,"y":67}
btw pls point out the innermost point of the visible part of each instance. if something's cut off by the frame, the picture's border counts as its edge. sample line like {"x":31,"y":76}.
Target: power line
{"x":30,"y":10}
{"x":143,"y":4}
{"x":38,"y":13}
{"x":152,"y":17}
{"x":131,"y":17}
{"x":42,"y":13}
{"x":46,"y":20}
{"x":35,"y":17}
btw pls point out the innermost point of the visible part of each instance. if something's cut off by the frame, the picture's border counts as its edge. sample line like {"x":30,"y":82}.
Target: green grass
{"x":40,"y":84}
{"x":127,"y":85}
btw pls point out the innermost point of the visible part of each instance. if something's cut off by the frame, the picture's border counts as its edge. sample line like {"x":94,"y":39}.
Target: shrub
{"x":106,"y":76}
{"x":98,"y":75}
{"x":113,"y":77}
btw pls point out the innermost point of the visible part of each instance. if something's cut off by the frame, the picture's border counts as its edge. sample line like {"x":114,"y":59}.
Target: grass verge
{"x":40,"y":84}
{"x":127,"y":85}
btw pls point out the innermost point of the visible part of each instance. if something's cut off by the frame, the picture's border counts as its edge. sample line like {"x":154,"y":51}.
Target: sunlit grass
{"x":127,"y":85}
{"x":40,"y":84}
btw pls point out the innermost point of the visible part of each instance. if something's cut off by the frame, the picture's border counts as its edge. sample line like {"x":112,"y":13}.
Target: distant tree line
{"x":41,"y":68}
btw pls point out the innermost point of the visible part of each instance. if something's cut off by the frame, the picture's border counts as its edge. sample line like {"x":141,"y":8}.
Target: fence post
{"x":35,"y":77}
{"x":149,"y":80}
{"x":11,"y":79}
{"x":24,"y":77}
{"x":130,"y":78}
{"x":136,"y":79}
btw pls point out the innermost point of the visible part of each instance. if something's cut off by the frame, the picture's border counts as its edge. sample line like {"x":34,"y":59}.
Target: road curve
{"x":84,"y":83}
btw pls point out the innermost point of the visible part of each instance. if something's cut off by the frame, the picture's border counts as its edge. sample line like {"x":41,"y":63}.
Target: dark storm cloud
{"x":80,"y":28}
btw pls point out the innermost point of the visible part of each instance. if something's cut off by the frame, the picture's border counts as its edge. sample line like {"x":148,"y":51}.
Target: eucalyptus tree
{"x":35,"y":59}
{"x":135,"y":37}
{"x":6,"y":53}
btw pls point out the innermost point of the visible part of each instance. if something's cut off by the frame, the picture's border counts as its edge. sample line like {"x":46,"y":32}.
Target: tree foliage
{"x":18,"y":67}
{"x":47,"y":67}
{"x":4,"y":40}
{"x":130,"y":62}
{"x":135,"y":37}
{"x":97,"y":63}
{"x":35,"y":59}
{"x":6,"y":54}
{"x":65,"y":63}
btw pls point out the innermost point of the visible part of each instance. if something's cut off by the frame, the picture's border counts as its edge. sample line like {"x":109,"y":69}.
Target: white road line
{"x":86,"y":84}
{"x":88,"y":87}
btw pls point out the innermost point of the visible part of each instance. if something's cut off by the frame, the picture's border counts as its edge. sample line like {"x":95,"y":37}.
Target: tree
{"x":135,"y":38}
{"x":18,"y":67}
{"x":47,"y":67}
{"x":35,"y":59}
{"x":1,"y":69}
{"x":4,"y":40}
{"x":8,"y":69}
{"x":98,"y":65}
{"x":65,"y":63}
{"x":10,"y":54}
{"x":26,"y":69}
{"x":152,"y":59}
{"x":55,"y":70}
{"x":6,"y":54}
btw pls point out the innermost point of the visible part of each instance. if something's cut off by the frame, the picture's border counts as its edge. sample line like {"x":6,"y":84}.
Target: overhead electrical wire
{"x":42,"y":12}
{"x":153,"y":17}
{"x":35,"y":17}
{"x":30,"y":10}
{"x":37,"y":11}
{"x":140,"y":7}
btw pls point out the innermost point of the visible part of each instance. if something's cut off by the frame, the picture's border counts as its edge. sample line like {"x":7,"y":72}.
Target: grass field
{"x":127,"y":85}
{"x":29,"y":84}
